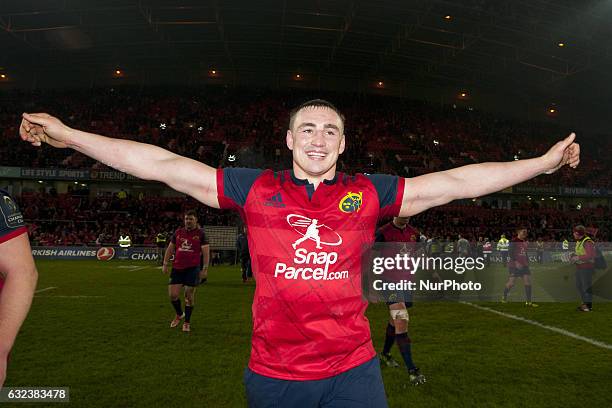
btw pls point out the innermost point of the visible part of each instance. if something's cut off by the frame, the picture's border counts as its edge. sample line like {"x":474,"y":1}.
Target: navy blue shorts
{"x":359,"y":387}
{"x":187,"y":276}
{"x":404,"y":297}
{"x":519,"y":271}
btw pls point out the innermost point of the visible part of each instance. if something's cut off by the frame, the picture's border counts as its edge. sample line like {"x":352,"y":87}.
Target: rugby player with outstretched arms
{"x":311,"y":343}
{"x":18,"y":276}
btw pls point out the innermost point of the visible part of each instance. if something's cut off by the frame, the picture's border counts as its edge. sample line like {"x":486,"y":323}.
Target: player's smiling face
{"x":316,"y":139}
{"x":190,"y":222}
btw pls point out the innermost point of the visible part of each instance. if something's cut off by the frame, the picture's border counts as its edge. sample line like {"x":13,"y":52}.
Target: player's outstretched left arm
{"x":476,"y":180}
{"x":19,"y":273}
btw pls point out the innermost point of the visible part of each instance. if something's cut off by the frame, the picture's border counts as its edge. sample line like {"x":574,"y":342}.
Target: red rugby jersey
{"x":391,"y":233}
{"x":518,"y":253}
{"x":11,"y":221}
{"x":188,"y":247}
{"x":308,"y":312}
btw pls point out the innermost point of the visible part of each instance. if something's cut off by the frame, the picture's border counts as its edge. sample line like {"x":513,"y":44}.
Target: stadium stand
{"x":246,"y":128}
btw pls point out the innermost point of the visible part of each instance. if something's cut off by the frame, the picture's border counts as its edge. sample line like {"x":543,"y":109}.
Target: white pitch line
{"x":66,"y":296}
{"x":544,"y":326}
{"x":132,"y":267}
{"x":45,"y":289}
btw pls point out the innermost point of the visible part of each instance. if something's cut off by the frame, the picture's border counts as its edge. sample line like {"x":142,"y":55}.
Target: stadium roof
{"x":513,"y":44}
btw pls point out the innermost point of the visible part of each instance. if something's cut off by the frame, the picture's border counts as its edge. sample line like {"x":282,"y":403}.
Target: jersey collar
{"x":398,"y":228}
{"x":304,"y":182}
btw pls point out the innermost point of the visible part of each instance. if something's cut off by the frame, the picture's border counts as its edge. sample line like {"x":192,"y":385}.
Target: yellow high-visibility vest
{"x":580,"y":246}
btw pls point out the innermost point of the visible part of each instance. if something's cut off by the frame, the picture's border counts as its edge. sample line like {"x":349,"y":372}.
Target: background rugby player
{"x":191,"y":255}
{"x":242,"y":251}
{"x":18,"y":276}
{"x":518,"y":266}
{"x":398,"y":230}
{"x":305,"y":329}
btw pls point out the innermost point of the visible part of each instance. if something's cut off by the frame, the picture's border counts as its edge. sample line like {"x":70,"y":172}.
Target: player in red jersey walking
{"x":191,"y":256}
{"x":18,"y":276}
{"x":311,"y":343}
{"x":518,"y":266}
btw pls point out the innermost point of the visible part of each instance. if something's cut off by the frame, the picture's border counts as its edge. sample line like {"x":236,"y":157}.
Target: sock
{"x":506,"y":291}
{"x":389,"y":338}
{"x":188,"y":310}
{"x":177,"y":306}
{"x":528,"y":292}
{"x":404,"y":344}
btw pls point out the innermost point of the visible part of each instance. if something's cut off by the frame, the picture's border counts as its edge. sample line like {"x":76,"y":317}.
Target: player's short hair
{"x":314,"y":103}
{"x":521,"y":227}
{"x":191,"y":213}
{"x":580,"y":229}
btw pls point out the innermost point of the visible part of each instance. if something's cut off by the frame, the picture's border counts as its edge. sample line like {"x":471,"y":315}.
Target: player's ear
{"x":342,"y":145}
{"x":289,"y":139}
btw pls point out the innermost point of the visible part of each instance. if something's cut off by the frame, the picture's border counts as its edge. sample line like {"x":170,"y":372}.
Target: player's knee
{"x":400,"y":319}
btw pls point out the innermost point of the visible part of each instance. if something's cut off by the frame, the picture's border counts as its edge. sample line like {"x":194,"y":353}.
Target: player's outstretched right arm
{"x":141,"y":160}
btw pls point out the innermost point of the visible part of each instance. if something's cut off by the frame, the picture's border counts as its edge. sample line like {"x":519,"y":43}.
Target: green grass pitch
{"x":103,"y":331}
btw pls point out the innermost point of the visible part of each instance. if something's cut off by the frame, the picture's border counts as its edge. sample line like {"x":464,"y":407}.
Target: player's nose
{"x":318,"y":139}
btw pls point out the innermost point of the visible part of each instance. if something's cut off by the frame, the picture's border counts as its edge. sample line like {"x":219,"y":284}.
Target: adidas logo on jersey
{"x":275,"y":201}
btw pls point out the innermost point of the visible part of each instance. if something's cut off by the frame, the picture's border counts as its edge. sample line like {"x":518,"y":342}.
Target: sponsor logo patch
{"x":10,"y":213}
{"x":105,"y":253}
{"x":351,"y":202}
{"x":275,"y":201}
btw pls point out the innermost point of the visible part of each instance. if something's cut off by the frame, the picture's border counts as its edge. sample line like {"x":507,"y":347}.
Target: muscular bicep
{"x":427,"y":191}
{"x":16,"y":257}
{"x":191,"y":177}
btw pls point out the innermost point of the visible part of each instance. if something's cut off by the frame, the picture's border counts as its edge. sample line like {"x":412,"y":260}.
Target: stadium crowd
{"x":74,"y":219}
{"x":246,"y":128}
{"x":474,"y":222}
{"x":71,"y":219}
